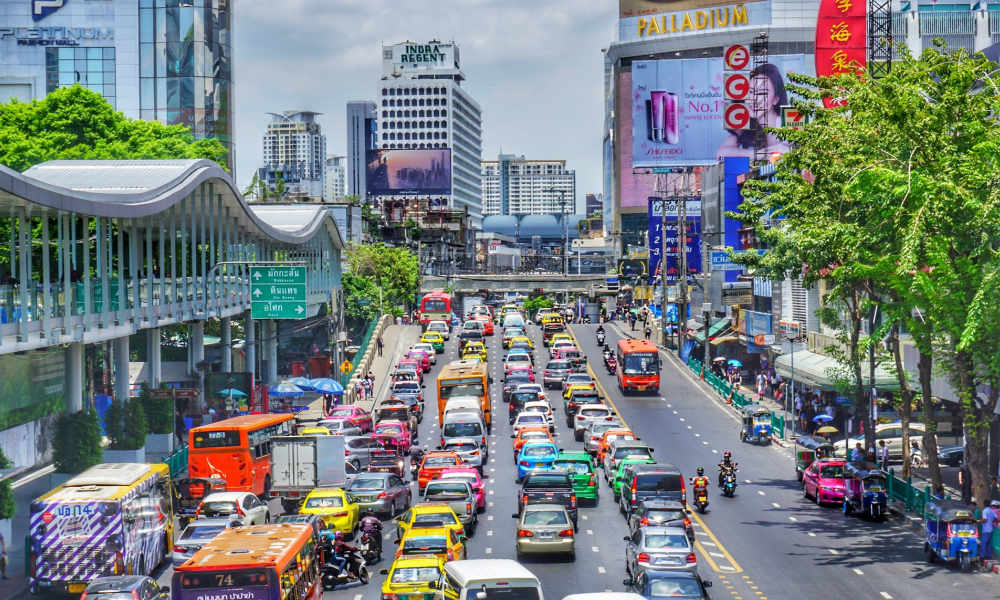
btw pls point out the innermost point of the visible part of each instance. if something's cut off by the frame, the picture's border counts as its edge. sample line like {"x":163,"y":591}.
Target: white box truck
{"x":300,"y":464}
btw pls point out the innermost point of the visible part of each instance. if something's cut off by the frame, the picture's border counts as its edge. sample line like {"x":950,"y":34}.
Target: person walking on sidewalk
{"x":632,"y":319}
{"x":648,"y":329}
{"x":379,"y":344}
{"x":883,"y":455}
{"x":990,"y":516}
{"x":179,"y":429}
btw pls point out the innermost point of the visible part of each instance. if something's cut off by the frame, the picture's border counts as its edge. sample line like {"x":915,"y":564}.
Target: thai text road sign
{"x":278,"y":292}
{"x":346,"y":367}
{"x":763,"y":340}
{"x":168,"y":393}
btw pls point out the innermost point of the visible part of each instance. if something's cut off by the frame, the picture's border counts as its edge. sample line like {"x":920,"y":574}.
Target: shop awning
{"x":713,"y":331}
{"x":822,"y":372}
{"x":729,"y":337}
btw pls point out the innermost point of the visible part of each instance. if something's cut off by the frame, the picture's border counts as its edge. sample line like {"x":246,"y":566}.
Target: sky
{"x":534,"y":66}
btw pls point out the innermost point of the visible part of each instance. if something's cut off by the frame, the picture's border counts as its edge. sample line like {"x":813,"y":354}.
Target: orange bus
{"x":237,"y":450}
{"x":261,"y":562}
{"x":638,"y":366}
{"x":465,"y":379}
{"x":435,"y":306}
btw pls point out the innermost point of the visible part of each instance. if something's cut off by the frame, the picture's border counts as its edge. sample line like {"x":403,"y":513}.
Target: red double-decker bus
{"x":435,"y":306}
{"x":638,"y":366}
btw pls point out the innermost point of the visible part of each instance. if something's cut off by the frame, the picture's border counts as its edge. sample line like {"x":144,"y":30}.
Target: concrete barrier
{"x":366,"y":360}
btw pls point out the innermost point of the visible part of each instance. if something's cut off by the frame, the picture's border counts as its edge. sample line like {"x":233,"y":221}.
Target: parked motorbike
{"x":729,"y":483}
{"x":357,"y":570}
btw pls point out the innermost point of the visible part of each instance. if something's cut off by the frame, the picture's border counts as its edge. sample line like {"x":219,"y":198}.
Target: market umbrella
{"x":232,"y":393}
{"x":719,"y":359}
{"x":285,"y":390}
{"x":824,"y":418}
{"x":827,"y":429}
{"x":735,"y":363}
{"x":328,"y":386}
{"x":300,"y":382}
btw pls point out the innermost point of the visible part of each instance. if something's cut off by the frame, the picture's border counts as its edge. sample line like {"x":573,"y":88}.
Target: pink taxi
{"x":824,"y":481}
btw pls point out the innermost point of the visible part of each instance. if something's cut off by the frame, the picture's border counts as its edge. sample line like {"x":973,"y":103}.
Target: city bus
{"x":112,"y":519}
{"x":638,"y":366}
{"x":261,"y":562}
{"x":435,"y":306}
{"x":237,"y":450}
{"x":462,"y":378}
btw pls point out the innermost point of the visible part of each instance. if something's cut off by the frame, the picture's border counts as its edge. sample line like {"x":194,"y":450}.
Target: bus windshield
{"x":435,"y":305}
{"x":462,"y":387}
{"x":641,"y":363}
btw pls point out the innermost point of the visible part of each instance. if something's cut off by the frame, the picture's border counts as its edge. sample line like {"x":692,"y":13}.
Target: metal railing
{"x":176,"y":462}
{"x":733,"y":396}
{"x":362,"y":346}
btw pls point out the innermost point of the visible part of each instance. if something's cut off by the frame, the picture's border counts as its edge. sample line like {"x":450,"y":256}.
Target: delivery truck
{"x":300,"y":464}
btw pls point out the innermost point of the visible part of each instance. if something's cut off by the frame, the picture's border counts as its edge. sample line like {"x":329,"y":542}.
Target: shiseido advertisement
{"x":677,"y":109}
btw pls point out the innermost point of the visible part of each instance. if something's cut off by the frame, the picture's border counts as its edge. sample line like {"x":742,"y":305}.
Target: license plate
{"x":77,"y":588}
{"x":641,"y":388}
{"x":668,"y":561}
{"x":383,"y":469}
{"x":546,"y":535}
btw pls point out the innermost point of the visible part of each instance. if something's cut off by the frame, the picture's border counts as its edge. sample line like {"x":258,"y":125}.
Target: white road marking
{"x":681,"y":419}
{"x":670,"y":405}
{"x":387,"y":536}
{"x":747,"y":481}
{"x":489,"y":551}
{"x":491,"y":504}
{"x":675,"y":412}
{"x":689,"y":427}
{"x":492,"y":470}
{"x":811,"y":534}
{"x":491,"y":480}
{"x":858,"y":571}
{"x":489,"y":517}
{"x":600,"y":569}
{"x":775,"y":505}
{"x":886,"y":596}
{"x":697,"y":434}
{"x":491,"y":492}
{"x":717,"y":555}
{"x":584,"y":517}
{"x":358,"y":597}
{"x":595,"y":548}
{"x":715,"y":451}
{"x":832,"y":551}
{"x":726,"y":568}
{"x":701,"y":533}
{"x":489,"y":533}
{"x":708,"y":544}
{"x":792,"y":519}
{"x":706,"y":443}
{"x":760,"y":492}
{"x":590,"y":532}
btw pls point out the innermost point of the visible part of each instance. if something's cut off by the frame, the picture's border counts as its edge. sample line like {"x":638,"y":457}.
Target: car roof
{"x":431,"y":507}
{"x":573,"y":456}
{"x":224,"y":496}
{"x":662,"y":504}
{"x":321,"y":492}
{"x":416,"y":561}
{"x":426,"y":531}
{"x":664,"y":531}
{"x":541,"y":507}
{"x":116,"y":583}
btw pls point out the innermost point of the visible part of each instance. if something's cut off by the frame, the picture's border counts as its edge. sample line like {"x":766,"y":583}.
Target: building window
{"x":92,"y":68}
{"x":385,"y":136}
{"x":383,"y":91}
{"x":444,"y":114}
{"x":392,"y":92}
{"x":421,"y":91}
{"x":444,"y":102}
{"x":444,"y":135}
{"x":385,"y":114}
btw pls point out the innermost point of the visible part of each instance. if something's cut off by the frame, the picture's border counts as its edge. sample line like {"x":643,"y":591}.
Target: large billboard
{"x":677,"y":111}
{"x":667,"y":209}
{"x":408,"y":172}
{"x":639,"y":8}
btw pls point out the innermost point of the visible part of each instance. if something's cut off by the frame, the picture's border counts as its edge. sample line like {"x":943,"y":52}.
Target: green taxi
{"x":434,"y":339}
{"x":580,"y":467}
{"x":616,"y":485}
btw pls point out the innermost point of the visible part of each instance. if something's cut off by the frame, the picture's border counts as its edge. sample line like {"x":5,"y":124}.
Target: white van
{"x":498,"y":579}
{"x":464,"y":424}
{"x":463,"y":404}
{"x":513,"y":321}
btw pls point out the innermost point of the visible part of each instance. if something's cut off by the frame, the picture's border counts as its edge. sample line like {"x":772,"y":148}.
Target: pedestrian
{"x":359,"y":390}
{"x":883,"y":455}
{"x":761,"y":385}
{"x":857,"y":453}
{"x":327,"y":404}
{"x":632,"y":319}
{"x":379,"y":344}
{"x":179,"y":429}
{"x":3,"y":556}
{"x":870,"y":456}
{"x":775,"y":383}
{"x":989,"y":521}
{"x":648,"y":329}
{"x":965,"y":482}
{"x":994,"y":489}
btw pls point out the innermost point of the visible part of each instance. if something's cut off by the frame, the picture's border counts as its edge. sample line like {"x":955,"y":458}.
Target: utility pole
{"x":562,"y":208}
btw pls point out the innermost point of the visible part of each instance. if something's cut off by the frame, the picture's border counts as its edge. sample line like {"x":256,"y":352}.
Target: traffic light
{"x":539,"y":291}
{"x":484,"y":291}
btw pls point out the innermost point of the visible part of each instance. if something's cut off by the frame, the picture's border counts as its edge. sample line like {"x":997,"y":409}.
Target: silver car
{"x":339,"y":426}
{"x":659,"y":549}
{"x":576,"y":379}
{"x":594,"y":431}
{"x":358,"y":451}
{"x":196,"y":535}
{"x":384,"y":492}
{"x":588,"y":414}
{"x":467,"y":448}
{"x":545,"y":528}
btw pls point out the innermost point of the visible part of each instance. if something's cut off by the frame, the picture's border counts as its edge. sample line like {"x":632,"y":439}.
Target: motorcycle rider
{"x":600,"y":335}
{"x":700,"y":482}
{"x":340,"y":550}
{"x":726,"y":465}
{"x":416,"y":453}
{"x":371,"y":525}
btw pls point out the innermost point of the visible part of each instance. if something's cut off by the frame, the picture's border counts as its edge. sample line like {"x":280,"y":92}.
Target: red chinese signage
{"x":841,"y":38}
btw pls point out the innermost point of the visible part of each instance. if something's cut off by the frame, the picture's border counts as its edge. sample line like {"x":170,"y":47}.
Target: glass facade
{"x":186,"y":66}
{"x":92,"y":68}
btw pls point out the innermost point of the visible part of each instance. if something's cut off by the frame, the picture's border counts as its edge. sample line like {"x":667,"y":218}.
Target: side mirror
{"x":383,"y":571}
{"x":626,"y":582}
{"x":396,"y":541}
{"x":463,"y":538}
{"x":514,"y":516}
{"x":652,"y":449}
{"x":707,"y":583}
{"x":512,"y":436}
{"x":512,"y":421}
{"x":165,"y":589}
{"x":433,"y":585}
{"x":627,"y":539}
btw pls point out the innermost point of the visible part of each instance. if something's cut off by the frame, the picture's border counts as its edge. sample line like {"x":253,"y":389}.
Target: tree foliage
{"x":374,"y":269}
{"x":76,"y":444}
{"x":894,"y":201}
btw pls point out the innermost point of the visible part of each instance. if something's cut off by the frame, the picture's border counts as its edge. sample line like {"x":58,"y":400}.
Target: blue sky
{"x":535,"y":67}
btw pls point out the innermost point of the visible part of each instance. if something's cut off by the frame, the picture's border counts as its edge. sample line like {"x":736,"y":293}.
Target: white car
{"x":560,"y":344}
{"x":525,"y":419}
{"x":533,"y":387}
{"x":541,"y":408}
{"x":588,"y":413}
{"x":244,"y":506}
{"x":440,"y":327}
{"x":518,"y":359}
{"x":429,"y":349}
{"x":892,"y":433}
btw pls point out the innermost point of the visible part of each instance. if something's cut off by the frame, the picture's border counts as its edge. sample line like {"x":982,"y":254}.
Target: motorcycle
{"x":586,"y":321}
{"x":371,"y":549}
{"x":415,"y":466}
{"x":701,"y":498}
{"x":600,"y":338}
{"x":612,"y":365}
{"x":729,"y":483}
{"x":357,"y":570}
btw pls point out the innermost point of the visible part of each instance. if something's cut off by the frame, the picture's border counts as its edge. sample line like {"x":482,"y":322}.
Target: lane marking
{"x":708,"y":544}
{"x":595,"y":548}
{"x":697,"y":434}
{"x":689,"y":427}
{"x":832,"y":551}
{"x":811,"y":534}
{"x":584,"y":517}
{"x":681,"y":419}
{"x":886,"y":596}
{"x":775,"y":505}
{"x":600,"y":569}
{"x":716,"y":554}
{"x":858,"y":571}
{"x":793,"y":519}
{"x":590,"y":532}
{"x":760,"y":492}
{"x":489,"y":517}
{"x":747,"y":481}
{"x":489,"y":533}
{"x":358,"y":597}
{"x":489,"y":551}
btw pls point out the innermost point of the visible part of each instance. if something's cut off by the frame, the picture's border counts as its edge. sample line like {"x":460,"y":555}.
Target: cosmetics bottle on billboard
{"x":671,"y":118}
{"x":656,"y":105}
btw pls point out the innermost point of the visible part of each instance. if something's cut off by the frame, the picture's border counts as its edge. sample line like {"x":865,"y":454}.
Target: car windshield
{"x":516,"y":380}
{"x":443,"y":488}
{"x":538,"y":451}
{"x":663,"y":515}
{"x":578,"y":380}
{"x":415,"y":574}
{"x":537,"y":409}
{"x":467,"y":477}
{"x":575,"y":467}
{"x":658,"y":482}
{"x":545,"y":517}
{"x":200,"y":532}
{"x":388,"y":430}
{"x":219,"y":507}
{"x":530,"y":418}
{"x":534,"y":435}
{"x":115,"y":596}
{"x":425,"y":545}
{"x":327,"y":502}
{"x":632,"y":453}
{"x":518,"y":358}
{"x":447,"y":518}
{"x":462,"y":430}
{"x":594,"y":412}
{"x":469,"y":447}
{"x":641,"y":363}
{"x":341,"y":413}
{"x":459,"y":387}
{"x":439,"y":461}
{"x":558,"y":365}
{"x":673,"y":588}
{"x":832,"y":472}
{"x":367,"y":483}
{"x":672,"y":542}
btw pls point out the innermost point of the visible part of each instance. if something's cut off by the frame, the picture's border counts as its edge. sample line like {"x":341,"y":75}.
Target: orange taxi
{"x":435,"y":462}
{"x":487,"y":323}
{"x":531,"y":434}
{"x":610,"y":436}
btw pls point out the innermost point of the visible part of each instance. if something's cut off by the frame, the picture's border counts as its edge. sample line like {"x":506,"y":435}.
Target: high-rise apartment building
{"x":514,"y":185}
{"x":362,"y":130}
{"x":423,"y":107}
{"x":295,"y":151}
{"x":335,"y":180}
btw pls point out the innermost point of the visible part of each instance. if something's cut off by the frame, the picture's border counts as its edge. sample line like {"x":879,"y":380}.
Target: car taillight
{"x":180,"y":549}
{"x":381,"y":496}
{"x":274,"y":494}
{"x":340,"y":514}
{"x":451,"y":555}
{"x":566,"y":533}
{"x":468,"y":507}
{"x":524,"y":463}
{"x":474,"y":453}
{"x":293,"y":494}
{"x":239,"y":511}
{"x":135,"y":594}
{"x":460,"y":531}
{"x":691,"y":559}
{"x":687,"y":522}
{"x":644,"y":521}
{"x":643,"y":558}
{"x":580,"y":418}
{"x":572,"y":501}
{"x":390,"y":597}
{"x":484,"y":440}
{"x":592,"y":481}
{"x":521,"y":533}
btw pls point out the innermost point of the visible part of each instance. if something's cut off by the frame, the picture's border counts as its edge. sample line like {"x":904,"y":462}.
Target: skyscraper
{"x":335,"y":182}
{"x":295,"y":151}
{"x":362,"y":130}
{"x":514,"y":185}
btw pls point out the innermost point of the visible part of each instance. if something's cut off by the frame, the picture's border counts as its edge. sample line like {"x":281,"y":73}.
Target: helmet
{"x":339,"y":535}
{"x":727,"y":454}
{"x":327,"y":535}
{"x":416,"y":443}
{"x":701,"y":471}
{"x":370,"y":511}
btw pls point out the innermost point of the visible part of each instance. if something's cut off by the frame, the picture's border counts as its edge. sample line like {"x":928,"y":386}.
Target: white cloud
{"x":534,"y":66}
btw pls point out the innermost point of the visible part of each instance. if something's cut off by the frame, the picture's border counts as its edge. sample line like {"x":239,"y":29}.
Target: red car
{"x":355,"y":414}
{"x":470,"y":475}
{"x":824,"y":481}
{"x":396,"y":431}
{"x":526,"y":371}
{"x":422,"y":357}
{"x":487,"y":324}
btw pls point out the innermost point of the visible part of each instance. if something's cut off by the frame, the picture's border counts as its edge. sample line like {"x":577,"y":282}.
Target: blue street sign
{"x":721,"y":262}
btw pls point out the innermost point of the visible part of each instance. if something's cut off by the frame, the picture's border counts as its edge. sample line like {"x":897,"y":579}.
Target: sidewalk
{"x":398,"y":340}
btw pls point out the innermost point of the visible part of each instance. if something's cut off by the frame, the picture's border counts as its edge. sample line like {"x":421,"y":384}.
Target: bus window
{"x":217,"y":439}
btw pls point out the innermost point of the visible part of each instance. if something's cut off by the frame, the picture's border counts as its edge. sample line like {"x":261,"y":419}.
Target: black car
{"x":950,"y":456}
{"x":669,"y":584}
{"x":518,"y":399}
{"x":468,"y":336}
{"x":126,"y":587}
{"x":511,"y":383}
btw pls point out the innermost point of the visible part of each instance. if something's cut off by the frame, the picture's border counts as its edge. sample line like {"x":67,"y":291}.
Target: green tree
{"x":375,"y":269}
{"x":76,"y":443}
{"x":8,"y":506}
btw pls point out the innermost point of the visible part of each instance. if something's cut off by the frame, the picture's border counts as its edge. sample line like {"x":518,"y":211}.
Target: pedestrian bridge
{"x":550,"y":282}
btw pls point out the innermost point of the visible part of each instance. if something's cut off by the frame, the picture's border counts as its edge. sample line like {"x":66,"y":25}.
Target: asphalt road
{"x":767,"y":542}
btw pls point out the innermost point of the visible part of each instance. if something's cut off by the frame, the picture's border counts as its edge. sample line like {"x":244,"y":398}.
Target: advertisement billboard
{"x":639,"y":8}
{"x":658,"y":229}
{"x":679,"y":111}
{"x":408,"y":172}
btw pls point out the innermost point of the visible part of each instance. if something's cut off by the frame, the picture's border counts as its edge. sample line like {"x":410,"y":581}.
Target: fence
{"x":362,"y":346}
{"x":176,"y":462}
{"x":733,"y":396}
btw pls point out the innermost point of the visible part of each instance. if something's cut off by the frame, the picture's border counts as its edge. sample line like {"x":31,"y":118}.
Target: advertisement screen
{"x":677,"y":109}
{"x":409,"y":172}
{"x":658,"y":230}
{"x":638,"y":8}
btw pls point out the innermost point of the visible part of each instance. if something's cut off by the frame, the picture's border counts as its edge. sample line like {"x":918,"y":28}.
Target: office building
{"x":362,"y":129}
{"x":335,"y":179}
{"x":514,"y":185}
{"x":170,"y":64}
{"x":295,"y":152}
{"x":594,"y":203}
{"x":423,"y":107}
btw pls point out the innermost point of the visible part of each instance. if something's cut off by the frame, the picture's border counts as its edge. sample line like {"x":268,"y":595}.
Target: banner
{"x":841,"y":39}
{"x":658,"y":230}
{"x":678,"y":111}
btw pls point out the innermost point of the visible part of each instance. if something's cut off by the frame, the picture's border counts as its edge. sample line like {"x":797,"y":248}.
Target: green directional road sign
{"x":278,"y":292}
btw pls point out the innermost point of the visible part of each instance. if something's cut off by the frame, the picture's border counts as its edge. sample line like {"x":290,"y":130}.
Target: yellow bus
{"x":462,"y":378}
{"x":112,"y":519}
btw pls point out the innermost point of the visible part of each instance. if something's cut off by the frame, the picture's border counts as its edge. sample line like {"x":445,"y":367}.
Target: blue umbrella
{"x":328,"y":386}
{"x":285,"y":390}
{"x":735,"y":363}
{"x":233,"y":393}
{"x":824,"y":418}
{"x":300,"y":382}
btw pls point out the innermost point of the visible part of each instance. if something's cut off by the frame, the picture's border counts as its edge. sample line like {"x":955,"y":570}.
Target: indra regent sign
{"x":422,"y":54}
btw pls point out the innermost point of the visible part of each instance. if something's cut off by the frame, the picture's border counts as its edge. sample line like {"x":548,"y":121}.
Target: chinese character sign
{"x":841,"y":38}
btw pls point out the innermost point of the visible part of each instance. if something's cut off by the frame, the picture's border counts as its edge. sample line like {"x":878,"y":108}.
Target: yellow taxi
{"x":428,"y":513}
{"x":315,"y":431}
{"x":560,"y":336}
{"x":476,"y":358}
{"x":476,"y":348}
{"x":521,"y":338}
{"x":434,"y":339}
{"x":409,"y":577}
{"x":442,"y":542}
{"x":576,"y":386}
{"x":334,"y":507}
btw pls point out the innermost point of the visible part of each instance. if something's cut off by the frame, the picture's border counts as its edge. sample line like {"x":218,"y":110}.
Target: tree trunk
{"x":905,"y":405}
{"x":929,"y":442}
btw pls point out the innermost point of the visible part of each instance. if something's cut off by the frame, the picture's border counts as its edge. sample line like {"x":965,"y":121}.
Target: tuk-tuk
{"x":190,"y":493}
{"x":810,"y":448}
{"x":951,"y":533}
{"x":864,"y":490}
{"x":385,"y":457}
{"x":756,"y":424}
